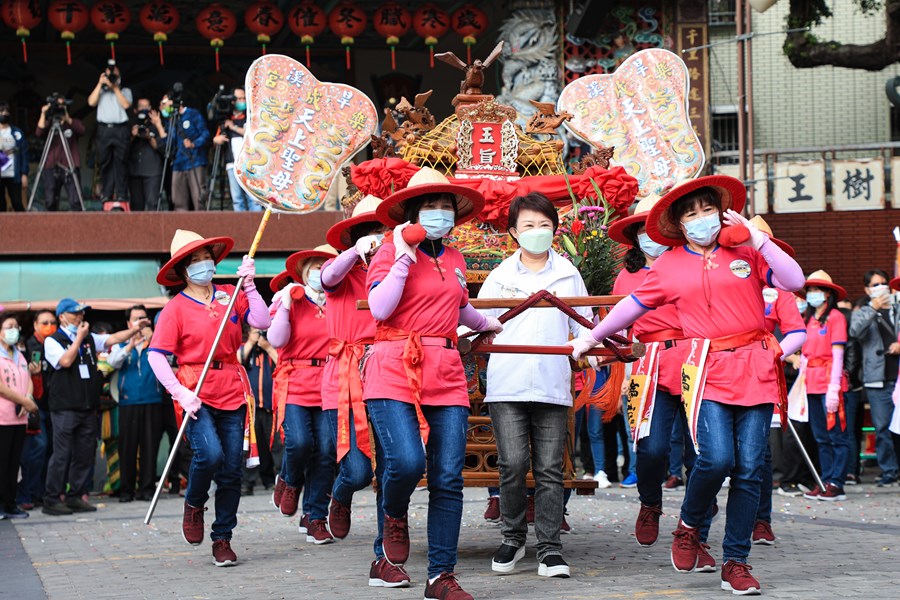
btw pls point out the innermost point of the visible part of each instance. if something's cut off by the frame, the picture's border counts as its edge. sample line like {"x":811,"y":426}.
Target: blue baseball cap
{"x":68,"y":305}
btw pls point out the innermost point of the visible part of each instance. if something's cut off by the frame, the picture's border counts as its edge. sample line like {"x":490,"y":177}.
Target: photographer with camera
{"x":56,"y":170}
{"x":231,"y":136}
{"x":112,"y":102}
{"x":13,"y":161}
{"x":145,"y":156}
{"x":189,"y":187}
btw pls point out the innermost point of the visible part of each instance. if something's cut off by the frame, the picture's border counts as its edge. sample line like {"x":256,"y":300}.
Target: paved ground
{"x":849,"y":549}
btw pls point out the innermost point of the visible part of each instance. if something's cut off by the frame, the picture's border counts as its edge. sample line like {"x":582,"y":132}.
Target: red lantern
{"x":216,"y":23}
{"x":431,"y":22}
{"x":307,"y":21}
{"x":392,"y":21}
{"x":111,"y":17}
{"x":469,"y":21}
{"x":265,"y":20}
{"x":23,"y":16}
{"x":160,"y":18}
{"x":68,"y":17}
{"x":347,"y":21}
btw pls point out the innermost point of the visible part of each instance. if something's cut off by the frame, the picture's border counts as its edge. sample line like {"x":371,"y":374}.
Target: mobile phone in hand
{"x":36,"y":356}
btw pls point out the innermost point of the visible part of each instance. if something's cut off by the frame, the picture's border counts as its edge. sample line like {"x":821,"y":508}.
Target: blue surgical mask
{"x":314,"y":279}
{"x":703,"y":231}
{"x":536,"y":241}
{"x":649,"y":247}
{"x":11,"y":336}
{"x":815,"y":299}
{"x":437,"y":222}
{"x":802,"y":305}
{"x":70,"y":328}
{"x":201,"y":273}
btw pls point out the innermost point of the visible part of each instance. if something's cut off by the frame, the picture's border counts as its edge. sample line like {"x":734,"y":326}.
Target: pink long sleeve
{"x":786,"y":273}
{"x":384,"y":297}
{"x":334,"y":273}
{"x":620,"y":317}
{"x":792,"y":342}
{"x":837,"y":364}
{"x":280,"y":331}
{"x":472,"y":319}
{"x":163,"y":371}
{"x":258,"y":315}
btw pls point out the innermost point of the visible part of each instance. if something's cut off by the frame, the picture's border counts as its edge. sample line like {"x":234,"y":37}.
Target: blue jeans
{"x":217,"y":440}
{"x":652,"y":450}
{"x":241,"y":200}
{"x":595,"y":433}
{"x":34,"y":454}
{"x":733,"y":442}
{"x":882,"y":407}
{"x":406,"y":460}
{"x":851,"y":406}
{"x":834,"y":443}
{"x":626,"y":445}
{"x":681,"y":448}
{"x":309,"y":456}
{"x":764,"y":511}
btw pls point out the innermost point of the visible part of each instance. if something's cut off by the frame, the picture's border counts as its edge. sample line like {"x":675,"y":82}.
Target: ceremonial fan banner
{"x":299,"y":132}
{"x":641,"y":110}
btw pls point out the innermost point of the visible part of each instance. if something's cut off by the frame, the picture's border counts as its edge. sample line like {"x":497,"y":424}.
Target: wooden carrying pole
{"x":206,"y":366}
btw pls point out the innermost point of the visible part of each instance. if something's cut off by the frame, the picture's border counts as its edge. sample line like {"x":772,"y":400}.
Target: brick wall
{"x":845,"y":244}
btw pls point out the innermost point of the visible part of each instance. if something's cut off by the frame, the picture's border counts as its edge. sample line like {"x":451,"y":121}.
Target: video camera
{"x":58,"y":105}
{"x":221,"y":106}
{"x":110,"y":74}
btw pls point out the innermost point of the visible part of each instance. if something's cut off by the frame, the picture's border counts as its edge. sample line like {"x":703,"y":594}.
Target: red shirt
{"x":344,"y":322}
{"x":309,"y":339}
{"x":782,"y":311}
{"x":430,"y":305}
{"x":820,"y":337}
{"x":187,"y":328}
{"x":720,"y":298}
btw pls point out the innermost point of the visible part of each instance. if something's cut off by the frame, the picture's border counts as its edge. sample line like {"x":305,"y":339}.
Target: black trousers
{"x":12,"y":438}
{"x":112,"y":149}
{"x":13,"y":187}
{"x":74,"y":447}
{"x":140,"y":429}
{"x":793,"y":466}
{"x":269,"y":458}
{"x":144,"y":192}
{"x":54,"y":179}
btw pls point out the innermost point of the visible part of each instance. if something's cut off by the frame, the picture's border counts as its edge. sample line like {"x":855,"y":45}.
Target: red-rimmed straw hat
{"x":364,"y":212}
{"x":895,"y":283}
{"x":295,"y":262}
{"x":280,"y":281}
{"x":663,"y":230}
{"x":619,"y":230}
{"x":764,"y":227}
{"x":821,"y":279}
{"x":184,"y":243}
{"x":469,"y":202}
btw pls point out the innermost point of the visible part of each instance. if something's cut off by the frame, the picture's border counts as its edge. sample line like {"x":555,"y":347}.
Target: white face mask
{"x":536,"y":241}
{"x":314,"y":279}
{"x":201,"y":273}
{"x":649,"y":247}
{"x":703,"y":231}
{"x":879,"y":291}
{"x":11,"y":336}
{"x":815,"y":299}
{"x":437,"y":222}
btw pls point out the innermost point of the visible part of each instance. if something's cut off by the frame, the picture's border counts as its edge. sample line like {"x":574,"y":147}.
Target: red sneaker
{"x":289,"y":500}
{"x":338,"y":519}
{"x":317,"y":533}
{"x":673,"y":483}
{"x":763,"y":534}
{"x":813,"y":494}
{"x":384,"y":574}
{"x":646,"y":529}
{"x":685,"y":548}
{"x":223,"y":555}
{"x":396,"y":540}
{"x":736,"y":578}
{"x":564,"y":527}
{"x":278,"y":491}
{"x":529,"y":510}
{"x":492,"y":512}
{"x":833,"y":493}
{"x":446,"y":587}
{"x":304,"y":524}
{"x":705,"y":562}
{"x":192,"y":524}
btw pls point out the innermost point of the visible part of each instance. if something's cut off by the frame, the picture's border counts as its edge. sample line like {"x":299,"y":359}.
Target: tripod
{"x":170,"y":136}
{"x":56,"y":130}
{"x":214,"y":175}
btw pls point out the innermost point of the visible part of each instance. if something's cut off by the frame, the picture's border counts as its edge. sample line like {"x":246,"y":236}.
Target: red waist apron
{"x":349,"y":355}
{"x":281,"y":387}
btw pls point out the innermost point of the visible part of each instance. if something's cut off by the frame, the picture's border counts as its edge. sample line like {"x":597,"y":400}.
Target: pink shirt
{"x":820,"y":337}
{"x":345,"y":322}
{"x":309,"y":339}
{"x":715,"y":299}
{"x":430,"y":305}
{"x":782,"y":311}
{"x":14,"y":374}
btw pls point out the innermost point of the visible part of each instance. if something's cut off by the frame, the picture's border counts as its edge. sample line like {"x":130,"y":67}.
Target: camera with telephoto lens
{"x":143,"y":123}
{"x":58,"y":106}
{"x":110,"y":74}
{"x":220,"y":107}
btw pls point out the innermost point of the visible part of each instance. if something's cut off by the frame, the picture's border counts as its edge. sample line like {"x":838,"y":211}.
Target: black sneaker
{"x":791,"y":490}
{"x":55,"y":507}
{"x":506,"y":557}
{"x":553,"y":565}
{"x":16,"y":513}
{"x":79,"y":505}
{"x":887,"y":481}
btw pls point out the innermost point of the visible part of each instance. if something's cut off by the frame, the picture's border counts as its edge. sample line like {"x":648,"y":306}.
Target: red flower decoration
{"x":618,"y":187}
{"x":577,"y":226}
{"x":382,"y":177}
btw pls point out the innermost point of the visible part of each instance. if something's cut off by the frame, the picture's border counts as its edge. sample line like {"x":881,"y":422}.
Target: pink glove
{"x":188,"y":400}
{"x":247,"y":270}
{"x":400,"y":245}
{"x":493,"y":324}
{"x":832,"y":398}
{"x":580,"y":345}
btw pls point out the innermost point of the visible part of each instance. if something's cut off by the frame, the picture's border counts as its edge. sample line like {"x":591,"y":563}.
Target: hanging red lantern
{"x":111,"y":17}
{"x":431,"y":22}
{"x":469,"y":21}
{"x":68,"y":17}
{"x":23,"y":16}
{"x":347,"y":21}
{"x":307,"y":21}
{"x":265,"y":20}
{"x":160,"y":18}
{"x":216,"y":23}
{"x":392,"y":21}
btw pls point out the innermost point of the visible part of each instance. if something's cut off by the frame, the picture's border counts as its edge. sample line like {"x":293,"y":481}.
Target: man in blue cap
{"x":74,"y":398}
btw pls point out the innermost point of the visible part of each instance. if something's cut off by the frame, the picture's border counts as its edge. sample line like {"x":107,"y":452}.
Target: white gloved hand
{"x":757,"y":237}
{"x":580,"y":345}
{"x":493,"y":324}
{"x":188,"y":401}
{"x":284,"y":295}
{"x":400,"y":244}
{"x":365,"y":245}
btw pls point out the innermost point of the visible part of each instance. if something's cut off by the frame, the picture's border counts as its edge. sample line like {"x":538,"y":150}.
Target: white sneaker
{"x":587,"y":477}
{"x":620,"y":461}
{"x":602,"y":480}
